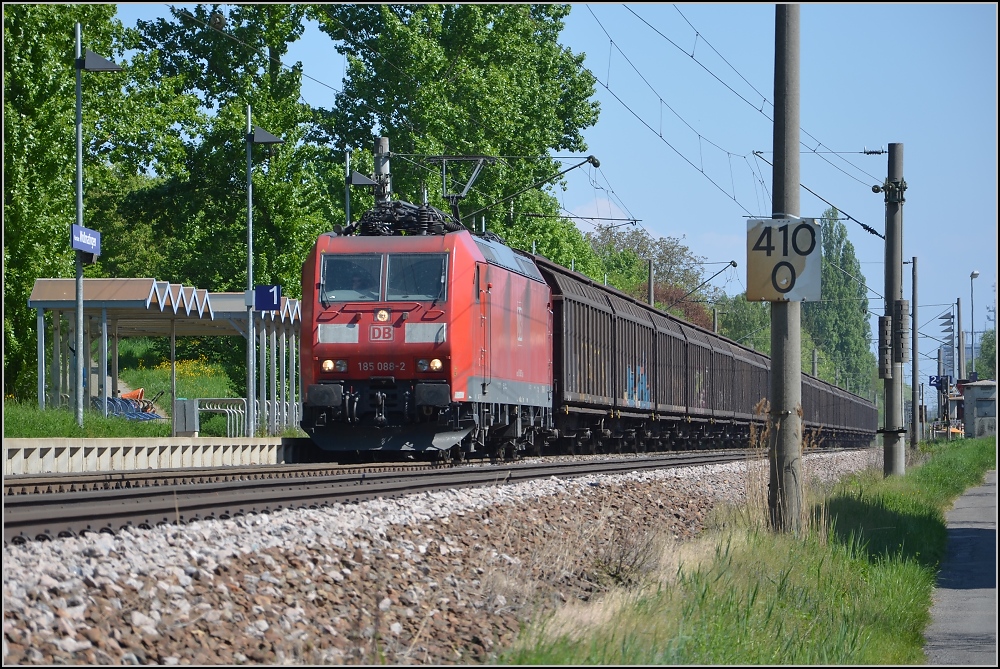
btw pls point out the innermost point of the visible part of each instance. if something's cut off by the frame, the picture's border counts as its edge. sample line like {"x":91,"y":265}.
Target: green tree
{"x":200,"y":211}
{"x":121,"y":126}
{"x":986,"y":357}
{"x":196,"y":206}
{"x":627,"y":250}
{"x":747,"y":323}
{"x":677,"y":272}
{"x":838,"y":323}
{"x":467,"y":80}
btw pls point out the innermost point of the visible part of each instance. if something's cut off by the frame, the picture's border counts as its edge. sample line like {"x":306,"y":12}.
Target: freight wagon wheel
{"x":510,"y":452}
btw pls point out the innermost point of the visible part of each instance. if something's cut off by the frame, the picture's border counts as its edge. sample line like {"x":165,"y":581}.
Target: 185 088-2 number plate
{"x":381,"y":366}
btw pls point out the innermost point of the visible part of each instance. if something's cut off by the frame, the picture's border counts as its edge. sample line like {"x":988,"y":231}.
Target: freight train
{"x":419,"y":335}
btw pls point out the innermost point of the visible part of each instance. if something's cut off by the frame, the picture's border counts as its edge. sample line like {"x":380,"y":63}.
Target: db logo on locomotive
{"x":380,"y":333}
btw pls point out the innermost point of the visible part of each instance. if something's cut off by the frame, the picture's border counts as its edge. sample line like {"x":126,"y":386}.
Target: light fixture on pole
{"x":972,"y":290}
{"x":91,"y":63}
{"x":254,"y":135}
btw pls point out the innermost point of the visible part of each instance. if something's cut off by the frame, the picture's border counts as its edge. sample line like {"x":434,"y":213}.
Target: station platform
{"x":963,"y":629}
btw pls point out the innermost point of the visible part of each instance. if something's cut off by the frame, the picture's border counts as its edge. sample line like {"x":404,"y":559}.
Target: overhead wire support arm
{"x":867,"y":228}
{"x":590,"y":159}
{"x":731,"y":263}
{"x":454,"y":198}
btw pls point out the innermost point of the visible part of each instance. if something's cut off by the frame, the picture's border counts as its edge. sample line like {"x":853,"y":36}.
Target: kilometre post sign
{"x":783,"y":259}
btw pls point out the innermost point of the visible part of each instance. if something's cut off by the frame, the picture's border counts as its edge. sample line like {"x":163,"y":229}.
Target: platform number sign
{"x":783,"y":259}
{"x":267,"y":298}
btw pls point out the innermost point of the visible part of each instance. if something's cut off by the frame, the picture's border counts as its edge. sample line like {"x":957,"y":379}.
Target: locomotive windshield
{"x":410,"y":276}
{"x":417,"y":276}
{"x":351,"y":278}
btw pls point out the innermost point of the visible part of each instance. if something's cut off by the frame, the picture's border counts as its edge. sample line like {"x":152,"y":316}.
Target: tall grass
{"x":854,"y":588}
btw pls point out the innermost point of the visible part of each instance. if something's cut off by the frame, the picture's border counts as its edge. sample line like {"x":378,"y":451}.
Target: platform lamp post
{"x":254,"y":135}
{"x":90,"y":62}
{"x":972,"y":296}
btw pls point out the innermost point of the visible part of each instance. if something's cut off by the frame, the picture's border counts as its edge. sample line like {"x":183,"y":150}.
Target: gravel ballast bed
{"x":434,"y":578}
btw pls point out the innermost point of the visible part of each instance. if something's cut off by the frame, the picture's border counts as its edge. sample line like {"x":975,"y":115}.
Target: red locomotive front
{"x":417,"y":342}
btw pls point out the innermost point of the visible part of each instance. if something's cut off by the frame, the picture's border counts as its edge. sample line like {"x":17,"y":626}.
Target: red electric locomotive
{"x":419,"y":336}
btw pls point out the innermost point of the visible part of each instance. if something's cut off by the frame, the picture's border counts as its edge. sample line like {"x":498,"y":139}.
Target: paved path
{"x":963,"y":629}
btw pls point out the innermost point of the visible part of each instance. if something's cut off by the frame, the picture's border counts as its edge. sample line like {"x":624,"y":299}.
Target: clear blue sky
{"x":923,"y":75}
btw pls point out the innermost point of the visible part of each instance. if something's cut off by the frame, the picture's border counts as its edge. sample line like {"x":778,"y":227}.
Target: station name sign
{"x":86,"y":240}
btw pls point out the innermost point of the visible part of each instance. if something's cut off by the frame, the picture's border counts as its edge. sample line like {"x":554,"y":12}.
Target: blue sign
{"x":267,"y":298}
{"x":86,"y":240}
{"x":940,"y":381}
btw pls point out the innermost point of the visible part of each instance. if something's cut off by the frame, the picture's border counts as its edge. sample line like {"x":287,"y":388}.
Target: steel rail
{"x":24,"y":484}
{"x":43,"y":516}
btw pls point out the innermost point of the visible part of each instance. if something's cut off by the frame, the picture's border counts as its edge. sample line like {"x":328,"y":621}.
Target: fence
{"x":187,"y":414}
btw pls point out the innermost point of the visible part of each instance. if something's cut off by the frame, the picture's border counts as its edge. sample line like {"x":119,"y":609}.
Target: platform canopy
{"x":125,"y":308}
{"x":150,"y":308}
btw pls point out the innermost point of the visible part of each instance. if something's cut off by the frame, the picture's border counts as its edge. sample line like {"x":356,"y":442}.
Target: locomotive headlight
{"x":422,"y":365}
{"x":330,"y":365}
{"x":435,"y":365}
{"x":382,"y":315}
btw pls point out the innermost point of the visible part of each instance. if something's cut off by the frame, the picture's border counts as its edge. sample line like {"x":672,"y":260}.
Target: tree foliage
{"x":839,"y":322}
{"x":745,"y":322}
{"x":625,"y":252}
{"x":40,"y":156}
{"x":489,"y":80}
{"x":986,"y":356}
{"x":200,"y":208}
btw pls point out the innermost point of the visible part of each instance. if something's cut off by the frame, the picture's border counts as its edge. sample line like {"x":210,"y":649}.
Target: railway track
{"x":68,"y":505}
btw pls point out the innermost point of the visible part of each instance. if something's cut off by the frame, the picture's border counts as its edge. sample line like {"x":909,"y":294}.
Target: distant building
{"x":980,"y":409}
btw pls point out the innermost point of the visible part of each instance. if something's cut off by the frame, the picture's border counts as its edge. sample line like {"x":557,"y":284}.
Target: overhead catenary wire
{"x":606,"y":85}
{"x":762,"y":96}
{"x":867,"y":228}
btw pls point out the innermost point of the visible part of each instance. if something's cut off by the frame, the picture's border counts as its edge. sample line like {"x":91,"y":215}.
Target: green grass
{"x":24,"y":420}
{"x":139,"y":367}
{"x":855,"y":589}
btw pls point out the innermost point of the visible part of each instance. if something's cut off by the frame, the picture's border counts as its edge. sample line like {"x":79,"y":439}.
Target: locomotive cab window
{"x":351,"y":278}
{"x":417,"y":276}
